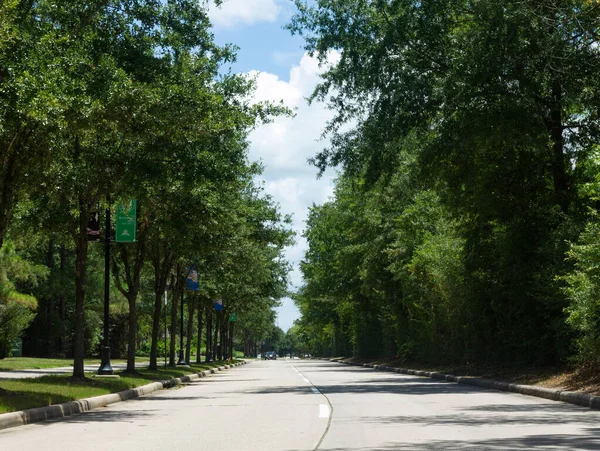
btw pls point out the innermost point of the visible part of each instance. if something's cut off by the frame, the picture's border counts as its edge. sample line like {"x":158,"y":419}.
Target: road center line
{"x":323,"y":411}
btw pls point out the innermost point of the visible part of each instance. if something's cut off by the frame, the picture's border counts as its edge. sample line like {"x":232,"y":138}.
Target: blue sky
{"x":264,"y":46}
{"x":283,"y":72}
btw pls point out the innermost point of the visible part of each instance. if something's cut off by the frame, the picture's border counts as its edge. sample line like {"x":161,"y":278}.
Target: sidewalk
{"x":24,"y":374}
{"x":53,"y":411}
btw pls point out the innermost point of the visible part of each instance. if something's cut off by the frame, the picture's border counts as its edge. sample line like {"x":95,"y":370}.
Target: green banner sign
{"x":232,"y":318}
{"x":126,"y":221}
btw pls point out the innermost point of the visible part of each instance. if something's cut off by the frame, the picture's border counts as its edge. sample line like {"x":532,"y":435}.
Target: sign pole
{"x":105,"y":367}
{"x":165,"y":328}
{"x":181,"y":361}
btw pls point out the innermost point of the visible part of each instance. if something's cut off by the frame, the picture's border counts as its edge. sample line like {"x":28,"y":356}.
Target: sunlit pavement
{"x":260,"y":406}
{"x":377,"y":410}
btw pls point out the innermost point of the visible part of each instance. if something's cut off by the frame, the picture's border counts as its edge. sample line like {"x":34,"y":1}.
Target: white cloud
{"x":284,"y":147}
{"x":286,"y":59}
{"x":243,"y":12}
{"x":286,"y":144}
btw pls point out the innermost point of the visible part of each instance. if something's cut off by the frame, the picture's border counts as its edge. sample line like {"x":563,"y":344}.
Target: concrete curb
{"x":23,"y":417}
{"x":577,"y":398}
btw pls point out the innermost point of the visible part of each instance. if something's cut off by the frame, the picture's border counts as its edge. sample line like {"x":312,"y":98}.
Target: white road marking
{"x":323,"y":411}
{"x":315,"y":391}
{"x":305,"y":380}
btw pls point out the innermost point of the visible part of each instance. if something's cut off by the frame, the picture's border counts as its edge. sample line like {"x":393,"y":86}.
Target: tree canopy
{"x":466,"y":132}
{"x":124,"y":100}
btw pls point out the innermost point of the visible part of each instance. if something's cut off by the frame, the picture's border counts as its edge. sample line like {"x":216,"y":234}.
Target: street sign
{"x":218,"y":305}
{"x":232,"y":318}
{"x":126,"y":221}
{"x":192,"y":279}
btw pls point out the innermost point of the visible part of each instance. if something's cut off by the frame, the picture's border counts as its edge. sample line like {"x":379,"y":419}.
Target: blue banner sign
{"x":192,"y":279}
{"x":219,"y":305}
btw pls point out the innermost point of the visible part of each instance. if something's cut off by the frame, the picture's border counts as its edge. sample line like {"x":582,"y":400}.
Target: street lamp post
{"x":165,"y":328}
{"x":181,"y":355}
{"x":105,"y":366}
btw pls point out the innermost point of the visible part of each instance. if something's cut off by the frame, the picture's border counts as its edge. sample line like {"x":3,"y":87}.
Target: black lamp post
{"x":105,"y":366}
{"x":181,"y":355}
{"x":165,"y":309}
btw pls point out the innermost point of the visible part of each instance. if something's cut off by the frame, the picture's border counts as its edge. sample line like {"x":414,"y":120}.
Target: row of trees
{"x":464,"y":224}
{"x":119,"y":100}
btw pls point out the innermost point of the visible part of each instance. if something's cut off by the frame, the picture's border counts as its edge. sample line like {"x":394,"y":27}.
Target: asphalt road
{"x":286,"y":405}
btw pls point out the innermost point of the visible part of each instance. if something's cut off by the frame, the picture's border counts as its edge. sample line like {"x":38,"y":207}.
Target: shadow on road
{"x":588,"y":441}
{"x":400,"y":386}
{"x":103,"y":416}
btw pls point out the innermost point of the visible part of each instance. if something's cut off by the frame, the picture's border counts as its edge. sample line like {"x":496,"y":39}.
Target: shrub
{"x":14,"y":319}
{"x":583,"y":291}
{"x":16,"y":309}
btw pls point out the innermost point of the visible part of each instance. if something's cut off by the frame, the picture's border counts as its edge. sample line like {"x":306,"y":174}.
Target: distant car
{"x":271,"y":355}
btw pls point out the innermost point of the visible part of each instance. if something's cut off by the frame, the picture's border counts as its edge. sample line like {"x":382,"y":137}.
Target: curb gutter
{"x":577,"y":398}
{"x":38,"y":414}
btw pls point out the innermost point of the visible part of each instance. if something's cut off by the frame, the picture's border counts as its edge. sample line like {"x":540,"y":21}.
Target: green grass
{"x":28,"y":393}
{"x":31,"y":363}
{"x":25,"y":363}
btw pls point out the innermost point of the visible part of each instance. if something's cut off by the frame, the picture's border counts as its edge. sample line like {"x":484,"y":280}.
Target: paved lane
{"x":264,"y":405}
{"x":375,"y":410}
{"x":273,"y":405}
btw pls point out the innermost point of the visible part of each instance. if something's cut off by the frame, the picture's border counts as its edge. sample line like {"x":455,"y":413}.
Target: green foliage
{"x":467,"y":134}
{"x":583,"y":291}
{"x":130,"y":99}
{"x":14,"y":318}
{"x":16,"y":309}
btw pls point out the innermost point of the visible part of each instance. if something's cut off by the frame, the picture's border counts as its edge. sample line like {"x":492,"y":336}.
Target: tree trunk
{"x":209,"y":339}
{"x":225,"y":339}
{"x":8,"y":168}
{"x":556,"y":132}
{"x":190,"y":328}
{"x":221,"y":335}
{"x":81,"y":243}
{"x":50,"y":343}
{"x":61,"y":300}
{"x":132,"y":332}
{"x":133,"y":272}
{"x":199,"y":345}
{"x":158,"y":297}
{"x":173,"y":326}
{"x":162,"y":267}
{"x":231,"y":325}
{"x":216,"y":349}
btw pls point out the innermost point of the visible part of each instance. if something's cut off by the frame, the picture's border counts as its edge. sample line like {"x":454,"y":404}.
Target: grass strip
{"x":27,"y":363}
{"x":31,"y":363}
{"x":24,"y":394}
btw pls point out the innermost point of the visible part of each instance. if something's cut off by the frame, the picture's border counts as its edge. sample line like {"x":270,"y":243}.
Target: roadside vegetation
{"x":580,"y":377}
{"x":35,"y":363}
{"x":112,"y":102}
{"x":464,"y":225}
